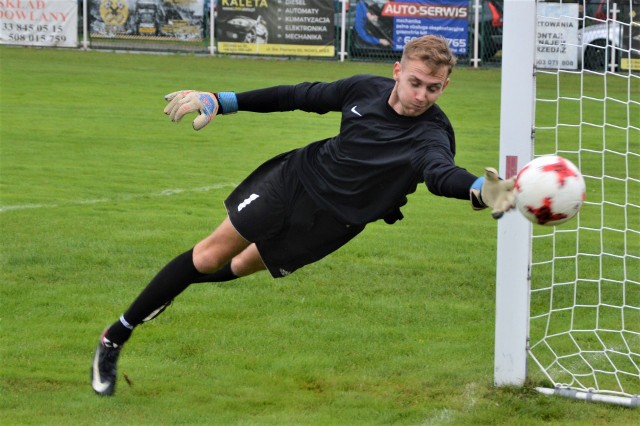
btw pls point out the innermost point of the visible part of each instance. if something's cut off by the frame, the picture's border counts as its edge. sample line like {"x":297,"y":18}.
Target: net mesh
{"x":585,"y":274}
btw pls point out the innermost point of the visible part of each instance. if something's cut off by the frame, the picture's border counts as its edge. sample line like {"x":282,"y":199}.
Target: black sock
{"x":172,"y":280}
{"x":221,"y":275}
{"x":118,"y":333}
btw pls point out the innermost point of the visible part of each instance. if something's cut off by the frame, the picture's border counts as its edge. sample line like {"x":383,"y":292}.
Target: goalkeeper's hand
{"x":184,"y":102}
{"x":491,"y":191}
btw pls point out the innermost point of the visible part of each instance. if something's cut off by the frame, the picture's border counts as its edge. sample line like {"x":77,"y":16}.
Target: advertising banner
{"x":39,"y":22}
{"x":276,"y":27}
{"x":630,"y":13}
{"x":389,"y":25}
{"x":411,"y":19}
{"x":557,"y":36}
{"x":177,"y":19}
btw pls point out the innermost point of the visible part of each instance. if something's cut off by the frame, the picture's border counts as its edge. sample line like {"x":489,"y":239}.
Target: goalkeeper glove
{"x":207,"y":104}
{"x":491,"y":191}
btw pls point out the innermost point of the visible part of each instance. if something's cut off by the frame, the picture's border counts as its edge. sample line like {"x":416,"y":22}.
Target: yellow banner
{"x":630,"y":64}
{"x":276,"y":49}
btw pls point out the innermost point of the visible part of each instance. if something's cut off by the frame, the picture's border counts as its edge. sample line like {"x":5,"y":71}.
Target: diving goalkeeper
{"x":304,"y":204}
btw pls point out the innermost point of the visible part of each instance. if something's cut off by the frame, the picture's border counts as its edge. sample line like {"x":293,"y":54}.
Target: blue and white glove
{"x":491,"y":191}
{"x":207,"y":104}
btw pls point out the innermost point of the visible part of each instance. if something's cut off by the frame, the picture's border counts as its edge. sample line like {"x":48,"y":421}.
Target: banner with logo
{"x":416,"y":18}
{"x":177,"y":19}
{"x":389,"y":25}
{"x":276,"y":27}
{"x":39,"y":22}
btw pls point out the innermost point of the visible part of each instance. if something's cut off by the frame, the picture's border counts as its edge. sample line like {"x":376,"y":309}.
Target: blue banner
{"x":416,"y":18}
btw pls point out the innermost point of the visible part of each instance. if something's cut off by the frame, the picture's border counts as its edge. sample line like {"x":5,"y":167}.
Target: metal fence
{"x":483,"y":39}
{"x":484,"y":19}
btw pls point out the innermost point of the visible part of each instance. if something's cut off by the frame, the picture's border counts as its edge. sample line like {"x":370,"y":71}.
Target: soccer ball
{"x":549,"y":190}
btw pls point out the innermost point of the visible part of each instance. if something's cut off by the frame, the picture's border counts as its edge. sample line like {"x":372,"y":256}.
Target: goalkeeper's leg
{"x":209,"y":261}
{"x":222,"y":256}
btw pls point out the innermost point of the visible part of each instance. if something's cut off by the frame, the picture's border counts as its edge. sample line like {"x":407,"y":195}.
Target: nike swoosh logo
{"x":353,"y":110}
{"x":97,"y":385}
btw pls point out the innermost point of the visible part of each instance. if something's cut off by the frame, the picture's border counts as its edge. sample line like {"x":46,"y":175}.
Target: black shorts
{"x":272,"y":209}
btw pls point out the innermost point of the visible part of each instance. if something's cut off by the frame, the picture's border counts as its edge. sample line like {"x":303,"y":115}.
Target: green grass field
{"x":98,"y":190}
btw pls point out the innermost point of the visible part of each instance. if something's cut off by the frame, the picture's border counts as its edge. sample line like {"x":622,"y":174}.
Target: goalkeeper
{"x":302,"y":205}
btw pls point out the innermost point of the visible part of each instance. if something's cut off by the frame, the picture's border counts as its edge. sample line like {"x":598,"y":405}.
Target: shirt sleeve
{"x":315,"y":97}
{"x":449,"y":181}
{"x":440,"y":173}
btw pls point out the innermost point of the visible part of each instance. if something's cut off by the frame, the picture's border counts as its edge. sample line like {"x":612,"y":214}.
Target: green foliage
{"x":98,"y":190}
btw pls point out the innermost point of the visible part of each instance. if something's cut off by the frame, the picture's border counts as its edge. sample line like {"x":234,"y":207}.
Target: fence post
{"x":343,"y":31}
{"x":476,"y":34}
{"x":212,"y":27}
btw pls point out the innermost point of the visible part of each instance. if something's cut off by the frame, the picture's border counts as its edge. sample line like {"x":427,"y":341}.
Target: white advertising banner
{"x":39,"y":22}
{"x":150,"y":19}
{"x":557,"y":36}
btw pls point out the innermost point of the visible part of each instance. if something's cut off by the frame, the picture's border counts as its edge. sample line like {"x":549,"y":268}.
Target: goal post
{"x":516,"y":125}
{"x":568,"y":297}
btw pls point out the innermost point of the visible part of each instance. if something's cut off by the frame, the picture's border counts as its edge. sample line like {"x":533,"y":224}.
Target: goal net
{"x":583,"y":326}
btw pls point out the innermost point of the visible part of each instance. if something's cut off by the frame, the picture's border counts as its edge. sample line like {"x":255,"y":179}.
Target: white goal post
{"x":568,"y":297}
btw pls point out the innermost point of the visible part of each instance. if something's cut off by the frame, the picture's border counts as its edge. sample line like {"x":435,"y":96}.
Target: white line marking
{"x":126,"y":197}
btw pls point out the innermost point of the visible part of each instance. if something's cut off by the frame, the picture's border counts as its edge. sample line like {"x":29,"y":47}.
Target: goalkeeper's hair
{"x":433,"y":50}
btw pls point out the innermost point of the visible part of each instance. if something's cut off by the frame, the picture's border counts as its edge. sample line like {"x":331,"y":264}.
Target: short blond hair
{"x":433,"y":50}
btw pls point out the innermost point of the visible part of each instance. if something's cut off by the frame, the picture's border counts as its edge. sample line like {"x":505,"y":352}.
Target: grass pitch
{"x":98,"y":190}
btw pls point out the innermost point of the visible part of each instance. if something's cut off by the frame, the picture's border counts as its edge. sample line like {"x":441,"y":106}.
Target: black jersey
{"x":366,"y":171}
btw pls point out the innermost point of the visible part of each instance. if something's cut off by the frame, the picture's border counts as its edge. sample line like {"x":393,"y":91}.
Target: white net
{"x":585,"y":274}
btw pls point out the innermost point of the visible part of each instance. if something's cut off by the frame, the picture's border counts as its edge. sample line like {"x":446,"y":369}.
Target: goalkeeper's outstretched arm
{"x":311,"y":97}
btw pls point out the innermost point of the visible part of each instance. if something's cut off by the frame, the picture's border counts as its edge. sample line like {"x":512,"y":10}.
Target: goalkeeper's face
{"x":417,"y":87}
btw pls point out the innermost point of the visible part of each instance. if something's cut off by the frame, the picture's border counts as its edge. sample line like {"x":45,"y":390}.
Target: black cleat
{"x":105,"y":367}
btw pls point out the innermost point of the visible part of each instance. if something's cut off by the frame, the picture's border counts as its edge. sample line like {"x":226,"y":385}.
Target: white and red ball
{"x":549,"y":190}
